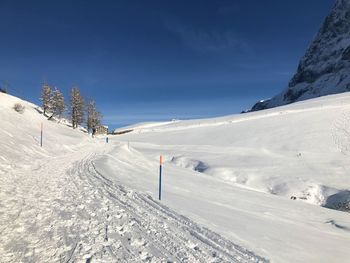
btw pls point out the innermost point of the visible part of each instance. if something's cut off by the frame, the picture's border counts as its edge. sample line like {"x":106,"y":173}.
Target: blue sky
{"x":157,"y":60}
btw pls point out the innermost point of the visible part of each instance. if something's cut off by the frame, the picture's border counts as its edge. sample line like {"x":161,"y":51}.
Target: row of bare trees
{"x":79,"y":111}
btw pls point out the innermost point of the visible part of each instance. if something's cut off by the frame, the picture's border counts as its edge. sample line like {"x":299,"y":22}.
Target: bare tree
{"x":57,"y":103}
{"x":77,"y":107}
{"x":4,"y":84}
{"x":93,"y":117}
{"x":46,"y":96}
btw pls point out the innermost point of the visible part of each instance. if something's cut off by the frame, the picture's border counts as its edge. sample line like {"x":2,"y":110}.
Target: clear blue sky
{"x":157,"y":60}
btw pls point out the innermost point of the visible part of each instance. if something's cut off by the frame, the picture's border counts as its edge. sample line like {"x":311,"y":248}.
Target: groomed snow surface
{"x":254,"y":187}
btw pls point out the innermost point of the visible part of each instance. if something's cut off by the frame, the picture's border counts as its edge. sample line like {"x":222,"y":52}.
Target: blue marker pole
{"x":160,"y":177}
{"x":41,"y":135}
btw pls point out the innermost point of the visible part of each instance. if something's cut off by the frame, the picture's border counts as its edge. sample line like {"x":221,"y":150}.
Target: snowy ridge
{"x":139,"y":127}
{"x":325,"y":67}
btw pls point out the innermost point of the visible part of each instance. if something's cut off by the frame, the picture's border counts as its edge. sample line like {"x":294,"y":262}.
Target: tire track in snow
{"x":72,"y":213}
{"x":168,"y":236}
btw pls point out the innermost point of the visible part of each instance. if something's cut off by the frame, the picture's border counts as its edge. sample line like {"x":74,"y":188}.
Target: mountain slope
{"x":56,"y":207}
{"x":325,"y":67}
{"x":227,"y":188}
{"x":20,"y":135}
{"x":263,"y":178}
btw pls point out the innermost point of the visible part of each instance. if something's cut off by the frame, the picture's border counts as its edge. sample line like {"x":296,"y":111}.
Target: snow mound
{"x":189,"y":163}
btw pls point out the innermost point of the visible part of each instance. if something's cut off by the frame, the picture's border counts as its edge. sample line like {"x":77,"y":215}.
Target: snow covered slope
{"x":56,"y":207}
{"x":325,"y":68}
{"x":262,"y":178}
{"x":20,"y":135}
{"x":139,"y":127}
{"x":240,"y":188}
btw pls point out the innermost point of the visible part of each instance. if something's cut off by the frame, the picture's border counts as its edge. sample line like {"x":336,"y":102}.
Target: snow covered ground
{"x":56,"y":207}
{"x":239,"y":174}
{"x":227,"y":183}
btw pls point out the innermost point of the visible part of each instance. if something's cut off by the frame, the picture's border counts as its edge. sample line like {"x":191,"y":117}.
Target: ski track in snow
{"x":69,"y":212}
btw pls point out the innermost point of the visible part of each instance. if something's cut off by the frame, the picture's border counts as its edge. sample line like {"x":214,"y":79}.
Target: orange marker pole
{"x":160,"y":177}
{"x":41,"y":135}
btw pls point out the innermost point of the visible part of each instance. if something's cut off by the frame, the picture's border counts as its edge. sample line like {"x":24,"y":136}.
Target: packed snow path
{"x":63,"y":210}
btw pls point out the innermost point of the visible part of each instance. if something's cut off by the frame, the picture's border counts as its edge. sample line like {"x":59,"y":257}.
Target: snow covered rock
{"x":325,"y":67}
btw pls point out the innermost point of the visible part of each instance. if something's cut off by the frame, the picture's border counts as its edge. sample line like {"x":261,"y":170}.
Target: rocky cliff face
{"x":325,"y":67}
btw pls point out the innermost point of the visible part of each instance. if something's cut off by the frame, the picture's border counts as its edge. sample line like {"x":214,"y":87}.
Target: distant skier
{"x":106,"y":139}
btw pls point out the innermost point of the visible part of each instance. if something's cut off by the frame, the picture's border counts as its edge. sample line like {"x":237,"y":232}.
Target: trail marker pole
{"x":41,"y":135}
{"x":160,"y":177}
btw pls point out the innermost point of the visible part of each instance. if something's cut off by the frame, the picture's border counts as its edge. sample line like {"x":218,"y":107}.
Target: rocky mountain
{"x":325,"y":67}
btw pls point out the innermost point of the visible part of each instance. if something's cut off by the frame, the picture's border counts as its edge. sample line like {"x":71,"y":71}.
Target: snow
{"x":229,"y":186}
{"x":237,"y":175}
{"x":56,"y":206}
{"x":144,"y":125}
